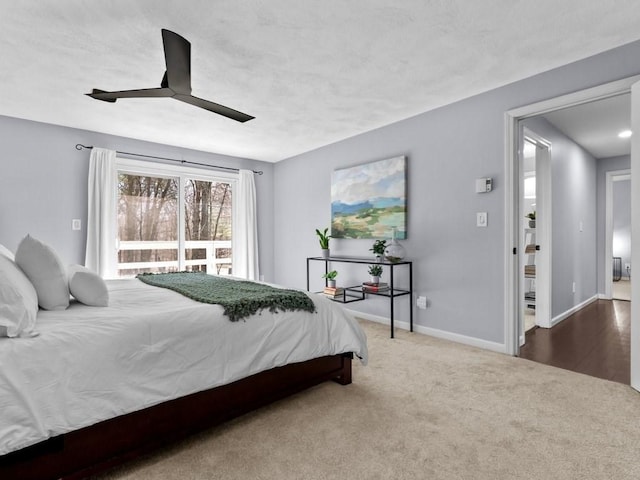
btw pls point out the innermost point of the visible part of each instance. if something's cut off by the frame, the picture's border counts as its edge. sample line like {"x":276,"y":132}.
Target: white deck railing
{"x":214,"y":264}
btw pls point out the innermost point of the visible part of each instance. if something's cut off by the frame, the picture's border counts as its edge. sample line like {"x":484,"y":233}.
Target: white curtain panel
{"x":101,"y":221}
{"x":245,"y":231}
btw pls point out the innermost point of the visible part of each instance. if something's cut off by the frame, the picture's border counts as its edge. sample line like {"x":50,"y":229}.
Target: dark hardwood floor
{"x":593,"y":341}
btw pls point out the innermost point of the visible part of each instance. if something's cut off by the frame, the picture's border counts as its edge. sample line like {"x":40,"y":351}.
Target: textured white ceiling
{"x":311,"y":72}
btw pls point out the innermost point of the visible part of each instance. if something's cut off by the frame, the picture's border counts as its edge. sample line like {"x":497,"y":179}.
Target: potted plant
{"x":323,"y":238}
{"x":375,"y":271}
{"x":378,"y":248}
{"x":331,"y":278}
{"x":532,"y":219}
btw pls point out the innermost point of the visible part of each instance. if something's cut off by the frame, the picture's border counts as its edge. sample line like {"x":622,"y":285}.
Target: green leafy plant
{"x":330,"y":275}
{"x":531,"y":216}
{"x":375,"y":270}
{"x":378,"y":247}
{"x":323,"y":238}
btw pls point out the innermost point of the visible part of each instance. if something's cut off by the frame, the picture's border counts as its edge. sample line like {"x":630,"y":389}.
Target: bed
{"x":99,"y":386}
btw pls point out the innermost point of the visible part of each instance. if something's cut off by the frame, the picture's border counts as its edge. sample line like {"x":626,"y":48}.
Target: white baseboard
{"x":434,"y":332}
{"x":557,"y":319}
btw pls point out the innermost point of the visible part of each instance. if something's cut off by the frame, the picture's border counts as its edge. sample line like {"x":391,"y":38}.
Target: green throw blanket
{"x":239,"y":298}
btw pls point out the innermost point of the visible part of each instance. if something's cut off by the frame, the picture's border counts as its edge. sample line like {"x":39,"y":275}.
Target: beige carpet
{"x":423,"y":409}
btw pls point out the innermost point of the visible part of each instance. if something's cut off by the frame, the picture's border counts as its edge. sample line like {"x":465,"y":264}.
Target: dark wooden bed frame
{"x":104,"y":445}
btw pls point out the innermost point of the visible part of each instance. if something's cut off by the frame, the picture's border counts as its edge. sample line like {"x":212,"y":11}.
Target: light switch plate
{"x":76,"y":224}
{"x":481,"y":219}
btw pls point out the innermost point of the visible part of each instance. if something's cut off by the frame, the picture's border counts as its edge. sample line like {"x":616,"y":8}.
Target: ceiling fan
{"x":176,"y":82}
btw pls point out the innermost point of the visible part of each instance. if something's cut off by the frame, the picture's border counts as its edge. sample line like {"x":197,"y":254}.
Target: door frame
{"x":512,"y":202}
{"x":608,"y":239}
{"x":635,"y":235}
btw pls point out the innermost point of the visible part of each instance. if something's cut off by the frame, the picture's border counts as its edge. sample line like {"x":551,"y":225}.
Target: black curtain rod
{"x":79,"y":146}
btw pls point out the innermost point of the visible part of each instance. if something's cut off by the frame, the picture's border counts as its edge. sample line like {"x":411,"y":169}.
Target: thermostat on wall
{"x":483,"y":185}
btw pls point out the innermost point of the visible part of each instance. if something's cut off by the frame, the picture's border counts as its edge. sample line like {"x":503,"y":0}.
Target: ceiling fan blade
{"x":176,"y":81}
{"x":214,"y":107}
{"x":142,"y":93}
{"x":177,"y":56}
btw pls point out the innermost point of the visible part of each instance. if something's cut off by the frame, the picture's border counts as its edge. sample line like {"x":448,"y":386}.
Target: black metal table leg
{"x":391,"y":300}
{"x":410,"y":297}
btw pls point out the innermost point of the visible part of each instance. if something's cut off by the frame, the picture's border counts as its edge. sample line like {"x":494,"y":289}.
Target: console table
{"x":355,"y":293}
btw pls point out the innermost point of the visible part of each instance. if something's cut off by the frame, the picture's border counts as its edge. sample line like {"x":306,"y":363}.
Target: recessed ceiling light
{"x":625,"y":134}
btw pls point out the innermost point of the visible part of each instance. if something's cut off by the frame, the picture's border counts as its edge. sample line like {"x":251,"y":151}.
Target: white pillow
{"x":18,"y":301}
{"x":87,"y":287}
{"x":6,"y":252}
{"x":45,"y":270}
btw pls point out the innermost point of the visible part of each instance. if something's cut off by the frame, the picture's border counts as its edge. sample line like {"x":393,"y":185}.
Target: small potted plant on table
{"x":331,"y":278}
{"x":323,"y":238}
{"x":375,"y":271}
{"x":378,"y":248}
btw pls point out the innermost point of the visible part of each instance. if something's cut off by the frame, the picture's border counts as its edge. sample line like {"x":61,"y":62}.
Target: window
{"x":207,"y":214}
{"x":173,"y":219}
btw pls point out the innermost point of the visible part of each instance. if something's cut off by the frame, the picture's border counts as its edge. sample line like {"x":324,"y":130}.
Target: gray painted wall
{"x":605,"y":165}
{"x":43,"y":184}
{"x":573,"y":198}
{"x":458,"y":266}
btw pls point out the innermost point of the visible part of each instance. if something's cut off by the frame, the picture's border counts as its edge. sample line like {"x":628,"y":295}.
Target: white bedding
{"x":150,"y":345}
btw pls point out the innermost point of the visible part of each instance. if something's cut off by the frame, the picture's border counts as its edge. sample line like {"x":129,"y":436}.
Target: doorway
{"x":515,"y":192}
{"x":618,"y":235}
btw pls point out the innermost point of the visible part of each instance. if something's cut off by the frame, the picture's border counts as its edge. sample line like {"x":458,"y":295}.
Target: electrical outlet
{"x":627,"y":266}
{"x":422,"y":303}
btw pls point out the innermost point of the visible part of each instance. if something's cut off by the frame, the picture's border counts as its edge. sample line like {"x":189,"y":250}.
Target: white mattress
{"x":150,"y":345}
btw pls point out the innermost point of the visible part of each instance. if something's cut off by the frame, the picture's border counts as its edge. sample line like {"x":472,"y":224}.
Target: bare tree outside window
{"x":208,"y":220}
{"x":148,"y":225}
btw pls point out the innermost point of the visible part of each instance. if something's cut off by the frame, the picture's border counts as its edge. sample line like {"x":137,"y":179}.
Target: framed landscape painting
{"x":368,"y":200}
